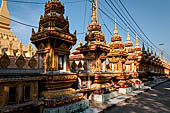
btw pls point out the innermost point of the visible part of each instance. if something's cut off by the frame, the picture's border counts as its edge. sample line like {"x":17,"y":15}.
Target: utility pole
{"x":97,"y":11}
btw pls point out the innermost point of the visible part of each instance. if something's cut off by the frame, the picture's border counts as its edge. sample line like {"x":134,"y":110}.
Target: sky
{"x":151,"y":15}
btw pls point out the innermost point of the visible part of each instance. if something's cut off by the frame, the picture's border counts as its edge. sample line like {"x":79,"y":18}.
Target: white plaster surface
{"x":104,"y":97}
{"x":125,"y":91}
{"x":71,"y":108}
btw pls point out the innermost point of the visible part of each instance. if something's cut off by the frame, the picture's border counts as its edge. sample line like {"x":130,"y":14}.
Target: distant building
{"x":8,"y":42}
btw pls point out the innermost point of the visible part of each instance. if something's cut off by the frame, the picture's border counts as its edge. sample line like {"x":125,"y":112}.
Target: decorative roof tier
{"x":95,"y":39}
{"x":95,"y":35}
{"x":53,"y":24}
{"x":55,"y":6}
{"x":116,"y":36}
{"x":137,"y":47}
{"x":128,"y":43}
{"x":117,"y":46}
{"x":76,"y":53}
{"x":116,"y":39}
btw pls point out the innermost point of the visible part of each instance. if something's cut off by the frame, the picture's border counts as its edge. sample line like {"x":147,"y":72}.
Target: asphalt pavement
{"x":156,"y":100}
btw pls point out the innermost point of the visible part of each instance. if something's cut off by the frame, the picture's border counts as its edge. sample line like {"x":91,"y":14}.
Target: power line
{"x":24,"y":2}
{"x":85,"y":16}
{"x":137,"y":24}
{"x":132,"y":30}
{"x":126,"y":16}
{"x":139,"y":27}
{"x":123,"y":22}
{"x":28,"y":25}
{"x":124,"y":30}
{"x":19,"y":22}
{"x":106,"y":26}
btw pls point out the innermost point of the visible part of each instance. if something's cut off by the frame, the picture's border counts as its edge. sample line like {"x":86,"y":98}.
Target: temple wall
{"x":4,"y":91}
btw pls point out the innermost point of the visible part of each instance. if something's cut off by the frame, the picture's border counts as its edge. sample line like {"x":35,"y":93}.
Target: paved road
{"x":156,"y":100}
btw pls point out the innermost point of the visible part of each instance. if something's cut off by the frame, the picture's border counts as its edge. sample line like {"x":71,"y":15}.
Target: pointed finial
{"x":97,"y":11}
{"x":108,"y":44}
{"x":115,"y":29}
{"x":143,"y":47}
{"x":41,"y":17}
{"x":67,"y":18}
{"x":36,"y":49}
{"x":137,"y":43}
{"x":10,"y":50}
{"x":29,"y":46}
{"x":10,"y":45}
{"x":148,"y":49}
{"x":93,"y":17}
{"x":20,"y":45}
{"x":80,"y":43}
{"x":33,"y":32}
{"x":151,"y":50}
{"x":155,"y":52}
{"x":75,"y":32}
{"x":128,"y":35}
{"x":20,"y":42}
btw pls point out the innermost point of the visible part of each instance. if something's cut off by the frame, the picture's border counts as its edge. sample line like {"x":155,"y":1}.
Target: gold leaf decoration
{"x":20,"y":62}
{"x":80,"y":65}
{"x":74,"y":65}
{"x":4,"y":61}
{"x":85,"y":65}
{"x":32,"y":63}
{"x":64,"y":47}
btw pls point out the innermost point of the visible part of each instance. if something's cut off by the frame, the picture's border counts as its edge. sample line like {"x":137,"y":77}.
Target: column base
{"x":70,"y":108}
{"x":105,"y":97}
{"x":125,"y":91}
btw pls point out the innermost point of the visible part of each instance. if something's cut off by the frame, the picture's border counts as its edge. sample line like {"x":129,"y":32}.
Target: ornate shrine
{"x":95,"y":51}
{"x":117,"y":58}
{"x":54,"y":42}
{"x":131,"y":60}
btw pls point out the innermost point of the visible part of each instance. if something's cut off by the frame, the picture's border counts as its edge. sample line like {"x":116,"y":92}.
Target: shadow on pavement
{"x":156,"y":100}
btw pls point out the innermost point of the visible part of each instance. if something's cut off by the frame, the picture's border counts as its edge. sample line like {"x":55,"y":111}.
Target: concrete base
{"x":105,"y":97}
{"x":138,"y":86}
{"x":125,"y":91}
{"x":71,"y":108}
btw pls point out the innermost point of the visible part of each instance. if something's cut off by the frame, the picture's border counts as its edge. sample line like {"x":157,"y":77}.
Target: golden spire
{"x":137,"y":43}
{"x":20,"y":45}
{"x":155,"y":52}
{"x":97,"y":11}
{"x":115,"y":29}
{"x":80,"y":43}
{"x":4,"y":12}
{"x":29,"y":46}
{"x":93,"y":17}
{"x":20,"y":51}
{"x":10,"y":50}
{"x":36,"y":49}
{"x":30,"y":51}
{"x":143,"y":47}
{"x":128,"y":35}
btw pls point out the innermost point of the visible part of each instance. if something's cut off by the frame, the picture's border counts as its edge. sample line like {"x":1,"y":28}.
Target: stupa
{"x":9,"y":42}
{"x":95,"y":53}
{"x":54,"y":42}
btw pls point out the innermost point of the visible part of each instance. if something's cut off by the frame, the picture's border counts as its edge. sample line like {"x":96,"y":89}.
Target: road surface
{"x":156,"y":100}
